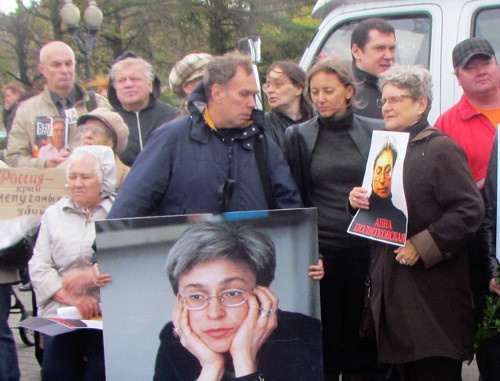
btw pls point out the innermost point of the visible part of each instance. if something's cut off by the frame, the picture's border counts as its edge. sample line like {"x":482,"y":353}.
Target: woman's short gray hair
{"x":415,"y":78}
{"x":208,"y":241}
{"x":79,"y":156}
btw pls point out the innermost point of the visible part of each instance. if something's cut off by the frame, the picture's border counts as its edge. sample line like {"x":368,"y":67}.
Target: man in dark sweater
{"x":373,"y":48}
{"x":133,"y":92}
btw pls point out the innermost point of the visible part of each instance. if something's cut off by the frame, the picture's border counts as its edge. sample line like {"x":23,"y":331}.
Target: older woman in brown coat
{"x":421,"y":299}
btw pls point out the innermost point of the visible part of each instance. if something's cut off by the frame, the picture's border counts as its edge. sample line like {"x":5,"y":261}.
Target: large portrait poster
{"x":138,"y":303}
{"x":386,"y":219}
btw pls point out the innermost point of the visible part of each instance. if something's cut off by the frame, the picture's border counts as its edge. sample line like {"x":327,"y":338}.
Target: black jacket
{"x":367,"y":93}
{"x":488,"y":231}
{"x":301,"y":139}
{"x":142,"y":123}
{"x":276,"y":124}
{"x":292,"y":352}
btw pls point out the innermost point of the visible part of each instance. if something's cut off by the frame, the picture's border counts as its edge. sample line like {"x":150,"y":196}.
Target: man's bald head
{"x":57,"y":65}
{"x":52,"y":47}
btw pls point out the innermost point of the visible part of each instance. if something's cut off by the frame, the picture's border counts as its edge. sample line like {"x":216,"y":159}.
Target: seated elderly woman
{"x":60,"y":268}
{"x":420,"y":293}
{"x":226,"y":324}
{"x":106,"y":128}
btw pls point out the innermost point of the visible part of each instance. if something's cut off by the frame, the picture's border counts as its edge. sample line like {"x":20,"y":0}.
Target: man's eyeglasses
{"x":95,"y":129}
{"x":392,"y":100}
{"x":387,"y":172}
{"x":230,"y":298}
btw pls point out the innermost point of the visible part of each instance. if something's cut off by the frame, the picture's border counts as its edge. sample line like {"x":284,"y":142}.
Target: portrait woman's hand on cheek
{"x":212,"y":363}
{"x":254,"y":331}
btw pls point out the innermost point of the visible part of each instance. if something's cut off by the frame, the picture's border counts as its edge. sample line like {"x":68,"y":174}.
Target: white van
{"x":426,"y":32}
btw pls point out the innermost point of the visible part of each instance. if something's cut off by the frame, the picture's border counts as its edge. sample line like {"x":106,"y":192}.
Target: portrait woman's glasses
{"x":229,"y":298}
{"x":387,"y":172}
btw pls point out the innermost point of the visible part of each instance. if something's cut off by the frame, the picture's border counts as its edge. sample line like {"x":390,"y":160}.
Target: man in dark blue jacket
{"x":215,"y":160}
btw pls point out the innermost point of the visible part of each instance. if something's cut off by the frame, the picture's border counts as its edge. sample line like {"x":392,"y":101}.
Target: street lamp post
{"x":85,"y":40}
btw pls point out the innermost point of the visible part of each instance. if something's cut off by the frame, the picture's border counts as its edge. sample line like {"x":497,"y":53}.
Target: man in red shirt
{"x":472,"y":123}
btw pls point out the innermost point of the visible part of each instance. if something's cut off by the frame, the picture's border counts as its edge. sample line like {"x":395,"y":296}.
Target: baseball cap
{"x":467,"y":49}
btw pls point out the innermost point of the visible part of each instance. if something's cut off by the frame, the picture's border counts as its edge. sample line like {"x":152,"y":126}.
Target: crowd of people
{"x":388,"y":312}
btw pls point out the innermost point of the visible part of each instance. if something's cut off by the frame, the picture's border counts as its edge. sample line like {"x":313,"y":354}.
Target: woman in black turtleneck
{"x":420,"y":293}
{"x":328,"y":156}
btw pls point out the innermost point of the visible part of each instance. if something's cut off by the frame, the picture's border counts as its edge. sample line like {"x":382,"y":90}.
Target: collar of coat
{"x":421,"y":130}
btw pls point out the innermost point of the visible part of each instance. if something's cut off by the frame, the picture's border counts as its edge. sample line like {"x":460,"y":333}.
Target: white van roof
{"x":324,"y":7}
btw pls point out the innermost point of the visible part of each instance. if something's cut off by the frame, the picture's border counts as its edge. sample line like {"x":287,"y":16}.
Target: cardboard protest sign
{"x":386,"y":220}
{"x":26,"y":191}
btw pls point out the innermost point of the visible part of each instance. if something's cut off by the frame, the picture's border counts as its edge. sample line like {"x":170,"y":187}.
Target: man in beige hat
{"x":186,"y":74}
{"x":106,"y":128}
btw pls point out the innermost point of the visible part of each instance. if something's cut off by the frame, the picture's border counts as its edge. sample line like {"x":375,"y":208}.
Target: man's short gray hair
{"x":415,"y":78}
{"x":221,"y":69}
{"x":148,"y":68}
{"x":208,"y":241}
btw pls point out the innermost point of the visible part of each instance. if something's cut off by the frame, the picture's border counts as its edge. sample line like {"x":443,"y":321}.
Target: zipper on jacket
{"x":141,"y":145}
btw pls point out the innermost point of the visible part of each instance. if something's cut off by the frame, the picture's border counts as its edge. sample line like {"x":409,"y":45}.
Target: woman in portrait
{"x":226,"y":324}
{"x":420,"y":293}
{"x":60,"y":268}
{"x":327,"y":156}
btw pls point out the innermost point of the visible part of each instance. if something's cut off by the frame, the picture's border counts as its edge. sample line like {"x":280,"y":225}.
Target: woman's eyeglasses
{"x":229,"y":298}
{"x":392,"y":100}
{"x":275,"y":84}
{"x":95,"y":129}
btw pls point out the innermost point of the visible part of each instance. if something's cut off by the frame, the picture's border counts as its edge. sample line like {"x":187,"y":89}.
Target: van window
{"x":412,"y":35}
{"x":486,"y":26}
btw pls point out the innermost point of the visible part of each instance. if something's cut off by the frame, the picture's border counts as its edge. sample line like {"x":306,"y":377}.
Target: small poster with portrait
{"x":386,"y":219}
{"x":50,"y":136}
{"x":191,"y":290}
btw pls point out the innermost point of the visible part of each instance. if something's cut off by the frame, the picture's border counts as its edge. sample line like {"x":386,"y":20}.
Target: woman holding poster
{"x":420,"y":293}
{"x":327,"y":156}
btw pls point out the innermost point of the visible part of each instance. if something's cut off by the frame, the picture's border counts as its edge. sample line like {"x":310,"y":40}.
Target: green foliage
{"x":490,"y":326}
{"x":161,"y":31}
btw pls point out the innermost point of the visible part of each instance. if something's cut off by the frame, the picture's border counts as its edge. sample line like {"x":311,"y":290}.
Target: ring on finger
{"x":178,"y":332}
{"x":403,"y":262}
{"x":264,"y":312}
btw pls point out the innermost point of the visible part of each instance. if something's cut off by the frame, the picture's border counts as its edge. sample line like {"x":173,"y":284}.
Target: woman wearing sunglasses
{"x":226,"y":324}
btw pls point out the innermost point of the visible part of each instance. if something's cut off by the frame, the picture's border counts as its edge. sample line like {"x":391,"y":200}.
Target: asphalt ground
{"x":30,"y":370}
